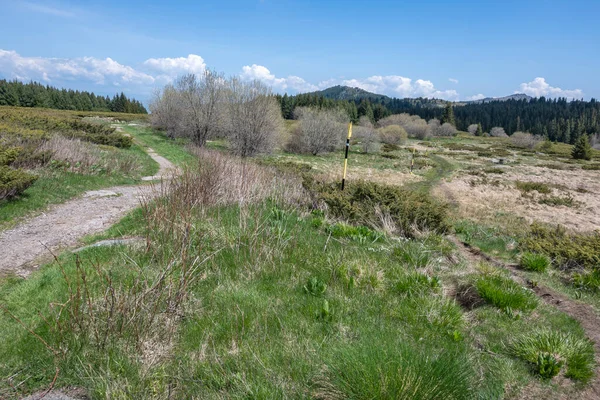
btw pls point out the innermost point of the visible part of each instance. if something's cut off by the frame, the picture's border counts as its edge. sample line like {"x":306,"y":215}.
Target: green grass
{"x":172,"y":150}
{"x":534,"y":262}
{"x":504,"y":293}
{"x":527,"y":187}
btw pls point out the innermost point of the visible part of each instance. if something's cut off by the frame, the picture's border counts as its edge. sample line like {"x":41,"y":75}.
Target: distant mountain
{"x":516,"y":96}
{"x":357,"y":94}
{"x":349,"y":93}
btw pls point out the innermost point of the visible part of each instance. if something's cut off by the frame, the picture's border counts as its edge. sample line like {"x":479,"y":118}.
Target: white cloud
{"x":45,"y":9}
{"x":453,"y":80}
{"x":539,"y":87}
{"x":263,"y":74}
{"x":476,"y":97}
{"x":91,"y":69}
{"x":170,"y":68}
{"x":400,"y":86}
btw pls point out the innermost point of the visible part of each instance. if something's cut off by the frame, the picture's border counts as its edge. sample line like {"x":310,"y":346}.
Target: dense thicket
{"x":33,"y":94}
{"x":557,"y":119}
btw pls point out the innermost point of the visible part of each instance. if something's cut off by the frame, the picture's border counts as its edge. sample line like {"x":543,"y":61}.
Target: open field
{"x":241,"y":288}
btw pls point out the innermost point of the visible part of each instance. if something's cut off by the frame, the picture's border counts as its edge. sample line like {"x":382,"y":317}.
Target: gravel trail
{"x":23,"y":247}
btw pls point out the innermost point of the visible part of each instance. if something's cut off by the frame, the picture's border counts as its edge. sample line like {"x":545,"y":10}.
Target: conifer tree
{"x":479,"y":130}
{"x":448,"y":116}
{"x":582,"y":150}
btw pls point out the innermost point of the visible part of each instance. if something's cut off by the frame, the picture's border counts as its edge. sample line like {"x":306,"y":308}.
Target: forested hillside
{"x":557,"y":119}
{"x":33,"y":94}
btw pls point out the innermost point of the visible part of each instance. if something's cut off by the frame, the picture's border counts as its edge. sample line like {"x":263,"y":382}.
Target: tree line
{"x":556,"y":119}
{"x":33,"y":94}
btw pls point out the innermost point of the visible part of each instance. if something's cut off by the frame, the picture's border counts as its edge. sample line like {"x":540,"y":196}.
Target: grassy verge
{"x":172,"y":150}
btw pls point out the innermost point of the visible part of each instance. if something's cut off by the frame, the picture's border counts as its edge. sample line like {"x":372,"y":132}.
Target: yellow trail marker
{"x":346,"y":156}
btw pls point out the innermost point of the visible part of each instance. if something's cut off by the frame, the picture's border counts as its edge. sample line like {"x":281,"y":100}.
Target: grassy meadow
{"x":259,"y":279}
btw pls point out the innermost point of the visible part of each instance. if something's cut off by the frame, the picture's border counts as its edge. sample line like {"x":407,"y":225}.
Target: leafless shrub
{"x":392,"y":134}
{"x":320,"y":130}
{"x":397,"y":119}
{"x":525,"y":140}
{"x":498,"y":132}
{"x":446,"y":129}
{"x":253,"y":119}
{"x":472,"y":129}
{"x":78,"y":154}
{"x":433,"y":127}
{"x":417,"y":129}
{"x":366,"y":134}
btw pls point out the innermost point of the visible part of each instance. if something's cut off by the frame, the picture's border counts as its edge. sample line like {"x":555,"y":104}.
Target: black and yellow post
{"x":412,"y":162}
{"x":346,"y":156}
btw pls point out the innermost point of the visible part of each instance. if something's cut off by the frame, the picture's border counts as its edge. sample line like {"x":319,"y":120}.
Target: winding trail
{"x":587,"y":316}
{"x":22,"y":247}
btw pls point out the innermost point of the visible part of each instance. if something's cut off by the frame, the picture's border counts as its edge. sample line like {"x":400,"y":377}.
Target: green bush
{"x":568,"y":250}
{"x":588,"y":280}
{"x":527,"y":187}
{"x":361,"y":234}
{"x":108,"y":139}
{"x":505,"y":293}
{"x":363,"y":203}
{"x":8,"y":154}
{"x":534,"y":262}
{"x":548,"y":351}
{"x":13,"y":182}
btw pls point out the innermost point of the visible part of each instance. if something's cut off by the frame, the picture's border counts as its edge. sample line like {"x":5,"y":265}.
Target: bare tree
{"x":166,"y":111}
{"x":253,"y":118}
{"x":472,"y":129}
{"x":365,"y":133}
{"x":498,"y":132}
{"x":595,"y":140}
{"x":396,"y":119}
{"x":320,"y":130}
{"x":201,"y":101}
{"x":417,"y":129}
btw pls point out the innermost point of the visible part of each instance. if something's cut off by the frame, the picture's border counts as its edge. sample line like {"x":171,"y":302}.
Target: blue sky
{"x":445,"y":49}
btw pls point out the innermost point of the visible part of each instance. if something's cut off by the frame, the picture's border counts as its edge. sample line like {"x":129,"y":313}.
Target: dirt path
{"x":63,"y":225}
{"x":584,"y":313}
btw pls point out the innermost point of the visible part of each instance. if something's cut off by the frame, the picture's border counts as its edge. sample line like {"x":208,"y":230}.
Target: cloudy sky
{"x":456,"y":50}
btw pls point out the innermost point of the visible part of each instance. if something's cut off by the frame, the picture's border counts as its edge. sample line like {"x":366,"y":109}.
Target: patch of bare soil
{"x":63,"y":225}
{"x":483,"y":201}
{"x":586,"y":315}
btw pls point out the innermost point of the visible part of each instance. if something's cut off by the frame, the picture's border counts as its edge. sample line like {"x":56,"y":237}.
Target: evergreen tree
{"x":448,"y":116}
{"x":582,"y":150}
{"x":479,"y":130}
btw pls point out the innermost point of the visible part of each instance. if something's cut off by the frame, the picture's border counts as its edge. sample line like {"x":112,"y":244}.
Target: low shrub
{"x":567,"y":250}
{"x":369,"y":203}
{"x":534,"y":262}
{"x":505,"y":293}
{"x":494,"y":171}
{"x":392,"y":134}
{"x":567,"y":201}
{"x":591,"y":167}
{"x":387,"y":147}
{"x":547,"y":351}
{"x":13,"y":182}
{"x":527,"y":187}
{"x":587,"y":280}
